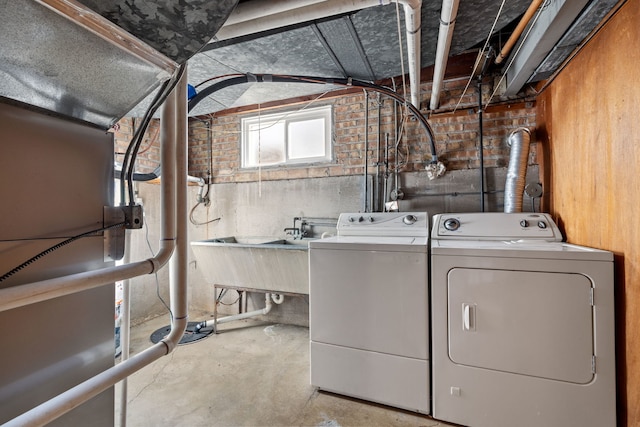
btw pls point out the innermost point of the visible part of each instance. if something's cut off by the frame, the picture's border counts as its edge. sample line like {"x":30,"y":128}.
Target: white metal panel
{"x":371,"y":300}
{"x":488,"y":398}
{"x":378,"y":224}
{"x":496,"y":226}
{"x":522,"y":322}
{"x":370,"y":243}
{"x":384,"y":378}
{"x":55,"y":178}
{"x":518,"y":249}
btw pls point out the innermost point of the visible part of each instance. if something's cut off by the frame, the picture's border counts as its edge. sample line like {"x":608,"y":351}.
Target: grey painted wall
{"x":266,"y":208}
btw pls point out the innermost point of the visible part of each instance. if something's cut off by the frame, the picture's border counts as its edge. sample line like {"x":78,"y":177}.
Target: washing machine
{"x":368,"y":309}
{"x":522,"y":324}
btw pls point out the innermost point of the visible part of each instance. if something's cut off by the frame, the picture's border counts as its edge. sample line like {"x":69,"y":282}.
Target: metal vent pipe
{"x":519,"y":140}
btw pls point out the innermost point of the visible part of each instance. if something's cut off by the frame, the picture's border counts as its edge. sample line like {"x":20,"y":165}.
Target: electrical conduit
{"x":174,"y":173}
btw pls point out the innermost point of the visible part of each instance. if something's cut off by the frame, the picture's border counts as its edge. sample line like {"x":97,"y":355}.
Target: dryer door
{"x":522,"y":322}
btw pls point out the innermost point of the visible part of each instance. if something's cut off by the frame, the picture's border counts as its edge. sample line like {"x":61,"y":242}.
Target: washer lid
{"x":369,"y":243}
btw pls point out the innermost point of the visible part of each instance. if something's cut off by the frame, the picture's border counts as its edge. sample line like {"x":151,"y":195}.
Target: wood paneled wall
{"x":589,"y":122}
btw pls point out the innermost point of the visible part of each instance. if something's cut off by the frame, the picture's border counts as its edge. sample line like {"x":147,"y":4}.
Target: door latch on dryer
{"x":468,"y":317}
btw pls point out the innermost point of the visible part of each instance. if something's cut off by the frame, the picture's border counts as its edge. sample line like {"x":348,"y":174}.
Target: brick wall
{"x":149,"y":154}
{"x":214,"y":141}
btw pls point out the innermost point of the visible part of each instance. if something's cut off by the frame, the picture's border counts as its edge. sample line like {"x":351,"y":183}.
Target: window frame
{"x":322,"y":112}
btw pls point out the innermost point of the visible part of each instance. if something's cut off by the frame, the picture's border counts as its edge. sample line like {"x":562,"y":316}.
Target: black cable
{"x":132,"y":150}
{"x":138,"y":135}
{"x":134,"y":154}
{"x":274,"y":78}
{"x":55,"y":248}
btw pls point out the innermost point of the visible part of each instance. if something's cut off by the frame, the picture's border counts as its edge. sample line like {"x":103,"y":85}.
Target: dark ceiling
{"x":364,"y":44}
{"x":99,"y":78}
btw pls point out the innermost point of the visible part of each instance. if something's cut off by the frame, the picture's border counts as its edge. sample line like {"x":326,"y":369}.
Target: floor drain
{"x":190,"y":335}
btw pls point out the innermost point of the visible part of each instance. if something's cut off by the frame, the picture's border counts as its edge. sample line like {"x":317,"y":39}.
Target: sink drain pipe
{"x":174,"y":224}
{"x":519,"y":140}
{"x":268,"y":297}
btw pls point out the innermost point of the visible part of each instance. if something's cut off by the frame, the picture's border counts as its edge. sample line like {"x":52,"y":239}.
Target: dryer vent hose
{"x":519,"y":141}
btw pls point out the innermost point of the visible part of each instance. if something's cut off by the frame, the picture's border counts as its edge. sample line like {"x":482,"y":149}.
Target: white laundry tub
{"x":262,"y":263}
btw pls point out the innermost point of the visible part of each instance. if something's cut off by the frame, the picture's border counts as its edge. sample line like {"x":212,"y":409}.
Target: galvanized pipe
{"x":173,"y":165}
{"x":519,"y":140}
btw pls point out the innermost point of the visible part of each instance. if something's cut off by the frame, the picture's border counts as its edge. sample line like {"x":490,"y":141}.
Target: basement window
{"x":287,"y":138}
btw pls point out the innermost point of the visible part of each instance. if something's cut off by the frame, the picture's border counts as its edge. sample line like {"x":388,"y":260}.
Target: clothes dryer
{"x":523,"y":324}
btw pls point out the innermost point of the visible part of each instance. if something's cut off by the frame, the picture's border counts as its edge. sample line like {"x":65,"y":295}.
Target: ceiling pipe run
{"x":263,"y":15}
{"x":528,"y":15}
{"x":448,"y":16}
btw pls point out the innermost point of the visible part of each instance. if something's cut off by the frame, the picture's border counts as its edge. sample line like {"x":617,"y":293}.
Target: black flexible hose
{"x":132,"y":150}
{"x":124,"y":175}
{"x":275,"y":78}
{"x":55,"y":248}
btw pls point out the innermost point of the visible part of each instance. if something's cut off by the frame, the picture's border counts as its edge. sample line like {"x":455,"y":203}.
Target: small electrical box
{"x":132,"y":216}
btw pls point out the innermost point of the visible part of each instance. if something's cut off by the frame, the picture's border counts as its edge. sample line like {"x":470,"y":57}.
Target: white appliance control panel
{"x":383,"y":224}
{"x":496,"y":226}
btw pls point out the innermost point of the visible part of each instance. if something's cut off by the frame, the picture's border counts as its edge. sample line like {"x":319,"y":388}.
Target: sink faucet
{"x":293,"y":231}
{"x":296,"y":232}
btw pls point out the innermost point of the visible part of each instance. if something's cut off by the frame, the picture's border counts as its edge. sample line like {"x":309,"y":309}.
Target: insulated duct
{"x":519,"y":141}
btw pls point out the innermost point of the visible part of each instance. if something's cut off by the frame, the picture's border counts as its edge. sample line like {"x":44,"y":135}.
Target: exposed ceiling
{"x":362,"y":45}
{"x":75,"y":75}
{"x":365,"y":44}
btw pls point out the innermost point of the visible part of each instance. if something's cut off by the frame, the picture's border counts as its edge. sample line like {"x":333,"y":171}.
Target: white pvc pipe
{"x":267,"y":308}
{"x":448,"y":16}
{"x":74,"y":397}
{"x":125,"y":329}
{"x":178,"y":277}
{"x":250,"y":19}
{"x":413,"y":22}
{"x":18,"y":296}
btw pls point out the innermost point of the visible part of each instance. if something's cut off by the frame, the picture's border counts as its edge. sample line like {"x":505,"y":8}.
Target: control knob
{"x":524,"y":223}
{"x":451,"y":224}
{"x":409,"y":219}
{"x":542,"y":224}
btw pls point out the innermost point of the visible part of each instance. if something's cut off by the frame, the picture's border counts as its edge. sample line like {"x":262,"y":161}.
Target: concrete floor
{"x":252,"y":373}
